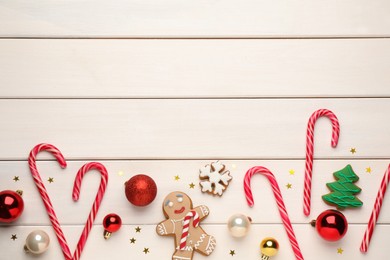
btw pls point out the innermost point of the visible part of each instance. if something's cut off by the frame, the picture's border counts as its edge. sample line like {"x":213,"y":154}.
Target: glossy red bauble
{"x":140,"y":190}
{"x":331,"y":225}
{"x":111,"y":223}
{"x":11,"y":206}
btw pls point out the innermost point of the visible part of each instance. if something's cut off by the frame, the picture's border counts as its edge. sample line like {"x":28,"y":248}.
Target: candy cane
{"x":42,"y":190}
{"x":310,"y":151}
{"x":95,"y":207}
{"x":186,"y":227}
{"x":279,"y":200}
{"x":375,"y":212}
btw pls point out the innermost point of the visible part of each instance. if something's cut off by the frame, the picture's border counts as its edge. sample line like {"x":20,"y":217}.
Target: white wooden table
{"x":165,"y":87}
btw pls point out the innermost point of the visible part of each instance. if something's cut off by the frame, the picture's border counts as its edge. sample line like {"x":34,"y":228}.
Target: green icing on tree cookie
{"x":343,"y":190}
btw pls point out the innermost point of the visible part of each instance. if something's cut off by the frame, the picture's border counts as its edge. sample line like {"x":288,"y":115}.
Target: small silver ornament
{"x":37,"y":242}
{"x":239,"y":225}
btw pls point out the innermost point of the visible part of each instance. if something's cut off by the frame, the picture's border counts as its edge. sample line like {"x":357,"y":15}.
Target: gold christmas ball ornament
{"x":268,"y":247}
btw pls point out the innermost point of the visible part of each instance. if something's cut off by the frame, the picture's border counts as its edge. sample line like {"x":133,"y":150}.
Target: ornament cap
{"x":264,"y":257}
{"x":313,"y":223}
{"x":107,"y":234}
{"x":20,"y":192}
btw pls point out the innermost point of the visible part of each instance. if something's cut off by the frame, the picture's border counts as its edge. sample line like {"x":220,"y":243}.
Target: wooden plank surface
{"x":163,"y":172}
{"x":174,"y":18}
{"x":163,"y":88}
{"x":165,"y":129}
{"x":119,"y":244}
{"x":194,"y":68}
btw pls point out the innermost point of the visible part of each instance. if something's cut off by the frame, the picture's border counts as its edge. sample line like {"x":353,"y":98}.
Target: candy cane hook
{"x":95,"y":207}
{"x":42,"y":190}
{"x":375,"y":212}
{"x":310,"y":151}
{"x":279,"y":200}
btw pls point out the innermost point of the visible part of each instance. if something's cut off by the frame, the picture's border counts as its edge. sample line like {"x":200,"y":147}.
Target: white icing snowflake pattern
{"x":214,"y":178}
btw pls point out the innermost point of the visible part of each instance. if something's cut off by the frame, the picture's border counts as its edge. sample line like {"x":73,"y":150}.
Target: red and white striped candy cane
{"x":186,"y":227}
{"x":279,"y":201}
{"x":95,"y":207}
{"x":375,"y":212}
{"x":42,"y":190}
{"x":310,"y":151}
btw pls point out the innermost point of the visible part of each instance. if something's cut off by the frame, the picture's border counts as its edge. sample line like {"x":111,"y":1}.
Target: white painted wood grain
{"x":233,"y":200}
{"x":119,"y":247}
{"x":202,"y":18}
{"x":186,"y":129}
{"x":194,"y":68}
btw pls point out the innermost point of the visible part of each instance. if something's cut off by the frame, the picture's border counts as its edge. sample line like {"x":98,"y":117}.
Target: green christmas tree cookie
{"x":343,"y":190}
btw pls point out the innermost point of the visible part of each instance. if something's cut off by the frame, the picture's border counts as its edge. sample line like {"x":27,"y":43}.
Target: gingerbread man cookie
{"x":183,"y":224}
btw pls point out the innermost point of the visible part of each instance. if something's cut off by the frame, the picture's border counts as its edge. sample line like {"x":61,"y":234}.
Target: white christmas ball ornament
{"x":239,"y":225}
{"x":37,"y":242}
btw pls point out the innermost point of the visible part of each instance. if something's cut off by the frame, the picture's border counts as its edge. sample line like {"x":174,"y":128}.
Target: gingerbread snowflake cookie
{"x":183,"y":224}
{"x":214,"y":178}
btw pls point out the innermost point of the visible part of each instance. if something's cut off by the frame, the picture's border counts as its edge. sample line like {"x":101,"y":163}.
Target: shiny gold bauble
{"x":269,"y":246}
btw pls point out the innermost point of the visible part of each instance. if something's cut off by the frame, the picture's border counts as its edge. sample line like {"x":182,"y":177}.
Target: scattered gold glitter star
{"x":177,"y":178}
{"x":120,"y":173}
{"x":132,"y":240}
{"x":289,"y":185}
{"x":14,"y":237}
{"x":353,"y":150}
{"x":16,"y":178}
{"x":192,"y":185}
{"x":232,"y":252}
{"x":292,"y":172}
{"x":368,"y":169}
{"x":146,"y":250}
{"x":50,"y":180}
{"x":138,"y":230}
{"x":340,"y":250}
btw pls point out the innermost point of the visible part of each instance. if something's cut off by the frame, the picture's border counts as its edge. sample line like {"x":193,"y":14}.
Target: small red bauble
{"x":140,"y":190}
{"x":331,"y":225}
{"x":11,"y":206}
{"x":111,"y":223}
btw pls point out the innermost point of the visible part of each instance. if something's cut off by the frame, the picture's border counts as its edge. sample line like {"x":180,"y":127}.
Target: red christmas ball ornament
{"x":111,"y":223}
{"x":140,"y":190}
{"x":331,"y":225}
{"x":11,"y":205}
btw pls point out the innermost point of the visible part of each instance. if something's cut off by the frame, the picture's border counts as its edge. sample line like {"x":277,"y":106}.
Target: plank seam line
{"x":102,"y":159}
{"x":193,"y":37}
{"x":207,"y":224}
{"x":198,"y":98}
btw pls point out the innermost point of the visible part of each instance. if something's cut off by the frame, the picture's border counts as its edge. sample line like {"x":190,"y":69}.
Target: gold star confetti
{"x":50,"y":180}
{"x":353,"y":150}
{"x":120,"y":173}
{"x":14,"y":237}
{"x":132,"y":240}
{"x":292,"y":172}
{"x":368,"y":170}
{"x":340,"y":250}
{"x":289,"y":186}
{"x":146,"y":250}
{"x":192,"y":185}
{"x":16,"y":178}
{"x":177,"y":178}
{"x":232,"y":252}
{"x":138,"y":230}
